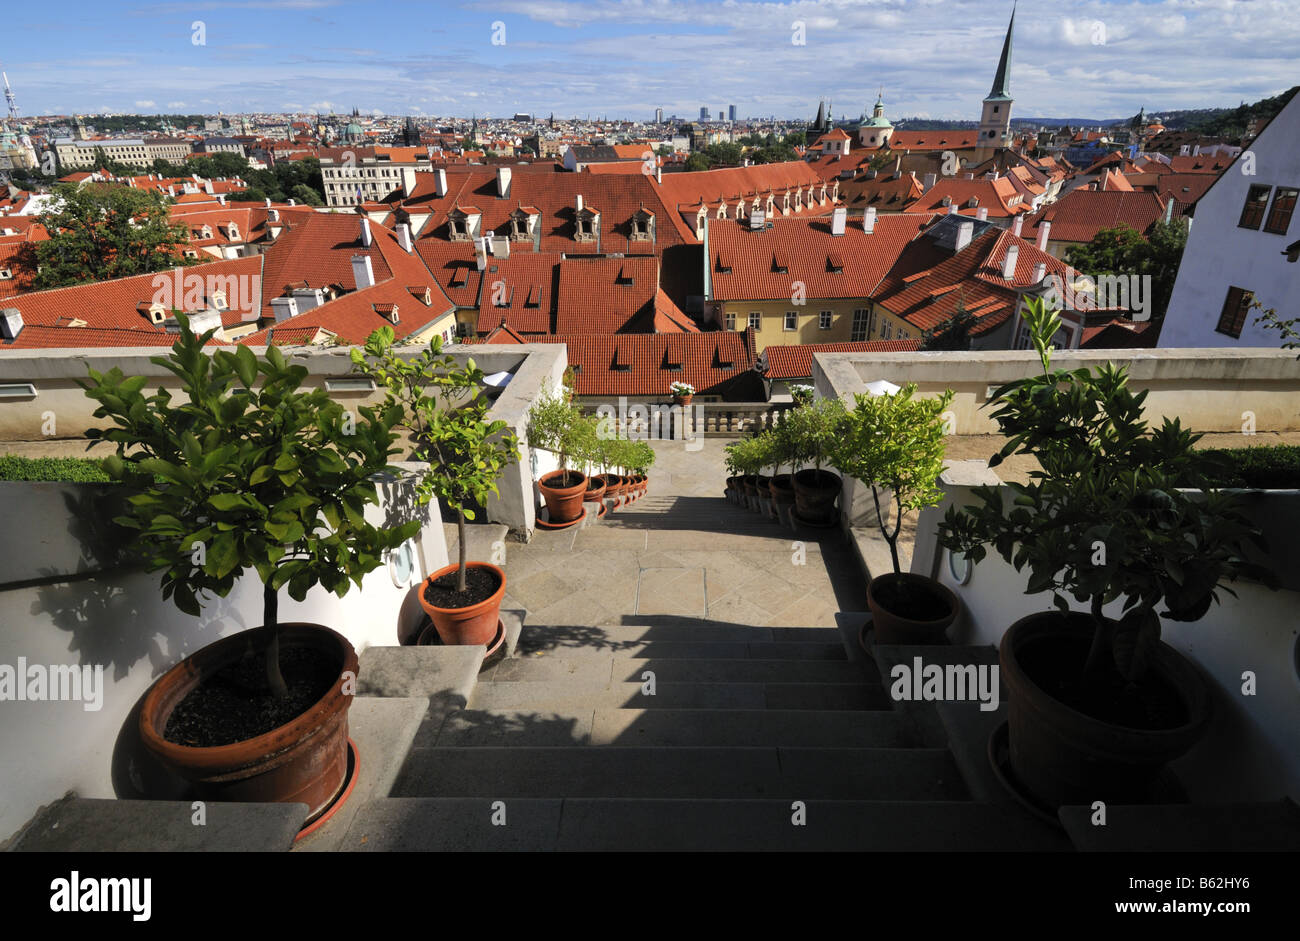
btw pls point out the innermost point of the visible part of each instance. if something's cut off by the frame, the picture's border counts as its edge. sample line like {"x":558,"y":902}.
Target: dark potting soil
{"x":1056,"y":667}
{"x":567,"y":479}
{"x":480,"y":585}
{"x":595,"y":483}
{"x":235,"y":704}
{"x":910,"y":601}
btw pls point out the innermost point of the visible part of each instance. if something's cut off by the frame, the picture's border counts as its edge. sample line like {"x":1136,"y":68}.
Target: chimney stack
{"x":503,"y":182}
{"x":404,"y":237}
{"x":11,"y":323}
{"x":480,"y":254}
{"x":1044,"y":230}
{"x":838,"y":215}
{"x":928,"y":182}
{"x":307,"y":299}
{"x":366,"y":237}
{"x":579,"y":202}
{"x":659,"y":174}
{"x":1017,"y":226}
{"x":501,"y":248}
{"x":982,"y":213}
{"x":268,"y":202}
{"x":440,"y":181}
{"x":284,"y":308}
{"x":362,"y":272}
{"x":869,"y":220}
{"x":965,"y":232}
{"x":1009,"y":262}
{"x":1040,"y":272}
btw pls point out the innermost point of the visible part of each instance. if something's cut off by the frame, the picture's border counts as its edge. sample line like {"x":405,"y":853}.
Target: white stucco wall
{"x":1220,"y":255}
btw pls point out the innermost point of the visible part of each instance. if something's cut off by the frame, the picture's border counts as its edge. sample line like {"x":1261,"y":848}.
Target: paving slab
{"x":448,"y":673}
{"x":466,"y":824}
{"x":674,"y":591}
{"x":556,"y":725}
{"x":93,"y":825}
{"x":1269,"y":827}
{"x":720,"y":727}
{"x":736,"y":670}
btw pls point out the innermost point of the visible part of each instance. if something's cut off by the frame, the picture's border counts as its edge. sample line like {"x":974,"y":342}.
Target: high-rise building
{"x":704,"y":112}
{"x":659,"y":115}
{"x":731,"y":112}
{"x":722,"y":116}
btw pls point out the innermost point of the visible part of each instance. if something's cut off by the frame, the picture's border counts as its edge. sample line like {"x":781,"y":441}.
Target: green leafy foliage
{"x":102,"y":231}
{"x":70,"y":469}
{"x":557,"y":426}
{"x":895,"y":442}
{"x":811,"y":431}
{"x":246,"y":470}
{"x":1104,"y":519}
{"x":1124,"y":251}
{"x":1275,"y":467}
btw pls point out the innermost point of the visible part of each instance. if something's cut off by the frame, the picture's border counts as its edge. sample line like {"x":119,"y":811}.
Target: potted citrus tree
{"x":812,"y":430}
{"x":464,"y":455}
{"x":250,"y":472}
{"x":555,"y":425}
{"x":783,"y":454}
{"x":1098,"y":704}
{"x":895,"y":444}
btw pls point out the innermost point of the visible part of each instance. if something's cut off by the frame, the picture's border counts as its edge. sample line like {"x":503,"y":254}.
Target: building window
{"x":886,"y":331}
{"x":861,"y":325}
{"x":1235,"y":307}
{"x":1279,"y":217}
{"x":755,"y":319}
{"x":824,"y":320}
{"x":1252,"y":214}
{"x":791,"y":320}
{"x":731,"y":321}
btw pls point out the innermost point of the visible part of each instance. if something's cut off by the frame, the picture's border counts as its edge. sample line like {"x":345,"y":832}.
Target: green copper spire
{"x":1002,"y":81}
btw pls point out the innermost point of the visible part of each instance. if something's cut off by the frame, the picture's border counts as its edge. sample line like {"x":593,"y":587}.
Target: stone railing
{"x":663,"y":420}
{"x":41,"y":401}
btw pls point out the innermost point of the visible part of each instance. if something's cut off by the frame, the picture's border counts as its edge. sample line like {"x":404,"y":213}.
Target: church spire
{"x":1002,"y":80}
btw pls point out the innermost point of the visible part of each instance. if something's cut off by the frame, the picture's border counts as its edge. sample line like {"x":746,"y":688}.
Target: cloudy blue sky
{"x":935,"y":58}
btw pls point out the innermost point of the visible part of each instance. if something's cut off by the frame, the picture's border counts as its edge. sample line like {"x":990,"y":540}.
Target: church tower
{"x":995,"y":120}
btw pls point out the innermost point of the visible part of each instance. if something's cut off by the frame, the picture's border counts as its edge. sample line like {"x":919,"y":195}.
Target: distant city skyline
{"x":623,"y":60}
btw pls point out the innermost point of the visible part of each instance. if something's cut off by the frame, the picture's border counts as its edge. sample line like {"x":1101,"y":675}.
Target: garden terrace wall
{"x":60,"y":409}
{"x":1210,"y":390}
{"x":65,"y":601}
{"x":1252,"y":751}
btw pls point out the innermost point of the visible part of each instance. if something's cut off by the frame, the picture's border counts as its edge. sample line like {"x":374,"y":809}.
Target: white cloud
{"x":147,"y":103}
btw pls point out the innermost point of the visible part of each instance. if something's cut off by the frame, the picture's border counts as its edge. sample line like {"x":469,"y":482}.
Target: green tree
{"x":1123,"y":251}
{"x":306,"y":195}
{"x":697,"y":161}
{"x":104,"y":231}
{"x":951,"y":334}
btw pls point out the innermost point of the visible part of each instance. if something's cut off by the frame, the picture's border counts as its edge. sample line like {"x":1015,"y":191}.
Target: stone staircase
{"x":754,"y":738}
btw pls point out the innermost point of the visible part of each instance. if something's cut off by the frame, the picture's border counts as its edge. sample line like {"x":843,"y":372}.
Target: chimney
{"x":579,"y":202}
{"x":440,"y":181}
{"x":1009,"y":262}
{"x":869,"y":220}
{"x":952,"y":209}
{"x":970,"y":176}
{"x":366,"y":237}
{"x":1017,"y":226}
{"x":268,"y":202}
{"x":291,"y":201}
{"x":503,"y":182}
{"x":207,"y":188}
{"x":284,"y":308}
{"x":965,"y":232}
{"x":982,"y":213}
{"x":1044,"y":230}
{"x":404,"y":237}
{"x":501,"y":248}
{"x":362,"y":272}
{"x":307,"y":298}
{"x":1196,"y":151}
{"x":273,"y":215}
{"x":1040,"y":272}
{"x":838,"y":215}
{"x":11,"y":323}
{"x":480,"y":254}
{"x":928,"y":182}
{"x":659,"y":174}
{"x":221,"y":198}
{"x":408,"y":180}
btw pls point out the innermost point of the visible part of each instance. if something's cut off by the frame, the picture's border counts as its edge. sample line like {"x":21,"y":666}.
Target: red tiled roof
{"x":933,"y":140}
{"x":807,"y":245}
{"x":796,"y":361}
{"x":998,"y":196}
{"x":1080,"y":214}
{"x":519,"y":290}
{"x":605,"y":295}
{"x":40,"y":336}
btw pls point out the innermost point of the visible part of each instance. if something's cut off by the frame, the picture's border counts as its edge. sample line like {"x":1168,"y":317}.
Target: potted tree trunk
{"x":813,"y":429}
{"x":895,"y":443}
{"x":782,"y":483}
{"x":464,"y":455}
{"x":1098,"y":703}
{"x":251,"y":472}
{"x":554,"y":424}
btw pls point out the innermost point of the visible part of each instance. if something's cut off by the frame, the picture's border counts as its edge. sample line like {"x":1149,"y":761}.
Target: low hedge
{"x":66,"y":469}
{"x":1267,"y":467}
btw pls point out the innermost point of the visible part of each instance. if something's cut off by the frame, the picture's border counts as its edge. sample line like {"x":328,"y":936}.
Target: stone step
{"x":694,"y":825}
{"x":547,"y":696}
{"x":1264,"y":827}
{"x":736,"y":670}
{"x":613,"y":635}
{"x":894,"y":774}
{"x":538,"y":642}
{"x":578,"y":723}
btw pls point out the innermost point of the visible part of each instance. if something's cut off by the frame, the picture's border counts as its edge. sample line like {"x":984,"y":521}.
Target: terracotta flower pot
{"x":815,"y":493}
{"x":763,"y":487}
{"x":683,"y":400}
{"x":303,"y":761}
{"x":892,"y":626}
{"x":749,"y":488}
{"x":596,"y":487}
{"x":782,"y":489}
{"x":473,"y":625}
{"x":1064,"y":756}
{"x":565,"y":503}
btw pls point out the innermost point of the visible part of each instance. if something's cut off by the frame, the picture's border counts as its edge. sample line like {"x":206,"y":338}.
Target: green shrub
{"x":79,"y":470}
{"x":1267,"y":467}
